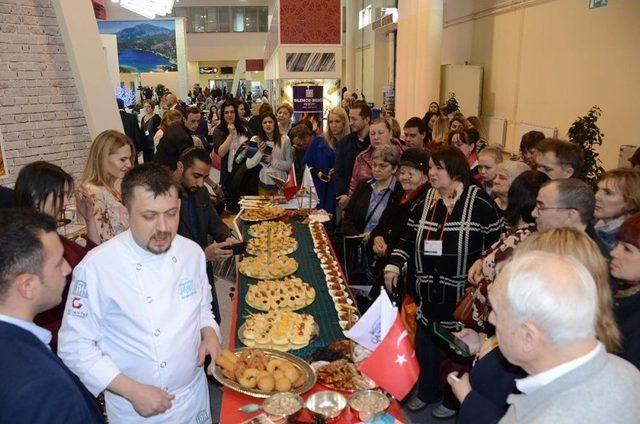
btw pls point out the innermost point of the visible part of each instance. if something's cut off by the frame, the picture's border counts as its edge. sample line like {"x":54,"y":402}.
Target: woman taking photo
{"x":270,"y":150}
{"x":447,"y":231}
{"x":320,"y":157}
{"x":284,"y":113}
{"x":617,"y":198}
{"x":149,"y":125}
{"x":46,"y":188}
{"x":229,"y":140}
{"x":625,"y":266}
{"x":110,"y":157}
{"x":506,"y":172}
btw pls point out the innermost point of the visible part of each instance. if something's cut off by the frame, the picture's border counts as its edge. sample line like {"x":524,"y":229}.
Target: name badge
{"x":146,"y":133}
{"x":433,"y":247}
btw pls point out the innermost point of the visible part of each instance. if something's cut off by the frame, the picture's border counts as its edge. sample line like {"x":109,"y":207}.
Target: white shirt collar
{"x":42,"y":334}
{"x":532,"y":383}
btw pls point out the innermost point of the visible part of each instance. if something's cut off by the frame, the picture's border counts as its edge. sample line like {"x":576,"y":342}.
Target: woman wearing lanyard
{"x":446,"y":232}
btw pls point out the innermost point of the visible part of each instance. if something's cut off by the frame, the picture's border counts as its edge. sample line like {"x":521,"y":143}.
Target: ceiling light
{"x":148,"y":8}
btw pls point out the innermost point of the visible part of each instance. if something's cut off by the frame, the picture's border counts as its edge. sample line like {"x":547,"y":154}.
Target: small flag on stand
{"x":291,"y":186}
{"x":401,"y":369}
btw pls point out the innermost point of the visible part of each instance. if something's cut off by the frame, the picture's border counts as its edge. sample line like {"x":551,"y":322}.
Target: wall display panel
{"x":311,"y":62}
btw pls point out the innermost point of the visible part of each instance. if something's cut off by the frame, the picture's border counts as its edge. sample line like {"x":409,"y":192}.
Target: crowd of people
{"x":537,"y":272}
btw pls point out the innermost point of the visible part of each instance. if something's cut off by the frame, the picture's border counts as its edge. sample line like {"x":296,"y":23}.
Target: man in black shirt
{"x":199,"y":220}
{"x":300,"y":136}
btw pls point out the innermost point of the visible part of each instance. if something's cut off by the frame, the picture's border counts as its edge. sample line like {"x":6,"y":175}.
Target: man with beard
{"x":199,"y":220}
{"x":138,"y":322}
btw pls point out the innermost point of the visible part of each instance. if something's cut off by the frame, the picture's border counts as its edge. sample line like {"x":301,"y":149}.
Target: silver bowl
{"x":326,"y":405}
{"x":269,"y":406}
{"x":370,"y":396}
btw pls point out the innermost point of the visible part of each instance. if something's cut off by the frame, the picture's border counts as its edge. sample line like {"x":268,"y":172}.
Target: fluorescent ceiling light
{"x":148,"y":8}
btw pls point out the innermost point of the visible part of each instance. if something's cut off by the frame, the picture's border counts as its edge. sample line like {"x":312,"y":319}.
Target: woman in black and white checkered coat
{"x":446,"y":232}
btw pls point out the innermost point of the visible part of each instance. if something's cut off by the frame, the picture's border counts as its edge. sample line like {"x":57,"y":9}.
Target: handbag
{"x":464,"y":309}
{"x":357,"y":262}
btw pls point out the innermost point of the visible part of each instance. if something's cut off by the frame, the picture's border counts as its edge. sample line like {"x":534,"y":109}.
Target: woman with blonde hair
{"x":284,"y":112}
{"x":110,"y":157}
{"x":440,"y":133}
{"x":485,"y":390}
{"x":320,"y":157}
{"x":506,"y":172}
{"x":169,"y":117}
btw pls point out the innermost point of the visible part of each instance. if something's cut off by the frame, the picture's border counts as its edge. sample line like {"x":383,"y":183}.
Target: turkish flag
{"x":291,"y":187}
{"x":393,"y":365}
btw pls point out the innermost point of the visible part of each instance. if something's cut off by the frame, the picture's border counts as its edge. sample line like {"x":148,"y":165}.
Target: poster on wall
{"x":3,"y":164}
{"x":308,"y":104}
{"x":144,"y":46}
{"x":311,"y":62}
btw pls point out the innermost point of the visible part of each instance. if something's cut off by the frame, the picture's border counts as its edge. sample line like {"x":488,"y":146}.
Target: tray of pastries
{"x":263,"y":267}
{"x":263,"y":372}
{"x":342,"y":375}
{"x":280,"y":245}
{"x":279,"y":330}
{"x":290,"y":293}
{"x":263,"y":213}
{"x":277,"y":228}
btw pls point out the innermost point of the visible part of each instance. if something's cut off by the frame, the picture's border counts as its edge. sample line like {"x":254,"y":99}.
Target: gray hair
{"x":576,"y":194}
{"x":387,"y":153}
{"x":555,"y":293}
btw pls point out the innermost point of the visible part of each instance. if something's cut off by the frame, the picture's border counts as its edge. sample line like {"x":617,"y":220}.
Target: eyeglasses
{"x":544,"y":208}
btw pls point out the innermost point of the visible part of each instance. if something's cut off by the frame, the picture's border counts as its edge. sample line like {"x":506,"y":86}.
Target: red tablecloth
{"x":232,"y":400}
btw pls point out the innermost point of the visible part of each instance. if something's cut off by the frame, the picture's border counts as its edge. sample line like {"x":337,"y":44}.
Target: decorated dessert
{"x":278,"y":229}
{"x":267,"y":267}
{"x":290,"y":293}
{"x":279,"y":330}
{"x":263,"y":213}
{"x":280,"y":245}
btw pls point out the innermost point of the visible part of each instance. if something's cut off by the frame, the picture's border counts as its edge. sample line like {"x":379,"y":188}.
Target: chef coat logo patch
{"x":202,"y":417}
{"x":80,"y":289}
{"x":187,"y":288}
{"x":77,"y":301}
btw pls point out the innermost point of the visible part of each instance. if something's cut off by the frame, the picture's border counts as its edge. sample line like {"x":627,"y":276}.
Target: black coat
{"x":355,"y":214}
{"x":38,"y":387}
{"x":132,"y":129}
{"x":149,"y":129}
{"x":346,"y":151}
{"x":627,"y":311}
{"x":209,"y":222}
{"x":6,"y":198}
{"x":174,"y":141}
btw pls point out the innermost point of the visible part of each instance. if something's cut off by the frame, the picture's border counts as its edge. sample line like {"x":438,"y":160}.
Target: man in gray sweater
{"x":544,"y":309}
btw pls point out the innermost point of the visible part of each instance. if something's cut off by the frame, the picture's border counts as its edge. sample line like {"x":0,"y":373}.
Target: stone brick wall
{"x":41,"y":117}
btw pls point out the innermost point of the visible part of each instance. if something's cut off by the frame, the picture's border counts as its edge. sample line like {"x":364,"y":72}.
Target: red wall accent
{"x":310,"y":21}
{"x":254,"y":65}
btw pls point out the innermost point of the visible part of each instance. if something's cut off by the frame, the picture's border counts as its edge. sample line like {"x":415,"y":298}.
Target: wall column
{"x":418,"y":56}
{"x":351,"y":18}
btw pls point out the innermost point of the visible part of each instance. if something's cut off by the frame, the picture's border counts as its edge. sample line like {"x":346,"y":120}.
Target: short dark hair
{"x":454,"y":162}
{"x":522,"y":197}
{"x":300,"y":131}
{"x":191,"y":110}
{"x":575,"y":194}
{"x":473,"y":136}
{"x":189,"y":156}
{"x":530,"y":140}
{"x":36,"y":181}
{"x":415,"y":122}
{"x":151,"y":176}
{"x":21,"y":250}
{"x":365,"y":110}
{"x":566,"y":152}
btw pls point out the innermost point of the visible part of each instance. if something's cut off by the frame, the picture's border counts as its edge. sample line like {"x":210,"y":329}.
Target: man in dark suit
{"x":174,"y":141}
{"x":38,"y":387}
{"x":131,"y":126}
{"x":199,"y":220}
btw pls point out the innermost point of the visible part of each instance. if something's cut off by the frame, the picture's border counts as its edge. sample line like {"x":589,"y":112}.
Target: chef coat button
{"x":149,"y":299}
{"x":156,"y":333}
{"x":138,"y":267}
{"x":173,"y":258}
{"x":163,"y":364}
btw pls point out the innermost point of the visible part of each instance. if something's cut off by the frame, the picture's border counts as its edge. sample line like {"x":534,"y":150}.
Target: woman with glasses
{"x":149,"y":125}
{"x":46,"y":188}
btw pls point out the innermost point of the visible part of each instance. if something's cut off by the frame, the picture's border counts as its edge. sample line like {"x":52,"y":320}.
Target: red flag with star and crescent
{"x":393,"y":365}
{"x":291,"y":185}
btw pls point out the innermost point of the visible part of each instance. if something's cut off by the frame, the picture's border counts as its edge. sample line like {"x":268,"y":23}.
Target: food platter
{"x":278,"y":330}
{"x":302,"y":366}
{"x":263,"y":213}
{"x":280,"y":245}
{"x":264,"y":268}
{"x":290,"y":293}
{"x":343,"y":376}
{"x":278,"y":228}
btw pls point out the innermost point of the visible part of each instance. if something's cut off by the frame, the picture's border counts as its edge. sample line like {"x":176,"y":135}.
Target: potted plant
{"x":161,"y":90}
{"x":585,"y":133}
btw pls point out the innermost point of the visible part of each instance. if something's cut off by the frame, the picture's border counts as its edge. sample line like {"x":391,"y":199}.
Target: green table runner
{"x":310,"y":272}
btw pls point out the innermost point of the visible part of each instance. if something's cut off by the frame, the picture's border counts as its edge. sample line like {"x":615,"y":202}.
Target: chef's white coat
{"x":137,"y":313}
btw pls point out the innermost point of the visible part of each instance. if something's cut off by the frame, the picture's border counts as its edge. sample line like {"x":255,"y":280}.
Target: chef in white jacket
{"x":138,"y":321}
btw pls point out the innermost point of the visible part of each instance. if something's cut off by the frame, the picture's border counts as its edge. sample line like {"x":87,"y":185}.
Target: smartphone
{"x":237,"y":248}
{"x":454,"y":342}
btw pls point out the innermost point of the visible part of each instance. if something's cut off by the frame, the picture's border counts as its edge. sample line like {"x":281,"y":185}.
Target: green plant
{"x":451,"y":105}
{"x":585,"y":133}
{"x":161,"y":90}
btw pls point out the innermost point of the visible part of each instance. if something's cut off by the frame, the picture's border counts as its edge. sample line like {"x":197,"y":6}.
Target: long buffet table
{"x":323,"y":311}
